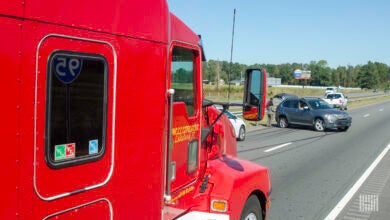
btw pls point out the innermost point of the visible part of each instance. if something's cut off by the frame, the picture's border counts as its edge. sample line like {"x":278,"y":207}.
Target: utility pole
{"x":231,"y":55}
{"x":218,"y":69}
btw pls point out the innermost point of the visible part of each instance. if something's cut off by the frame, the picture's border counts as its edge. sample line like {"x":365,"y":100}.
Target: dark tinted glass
{"x":319,"y":104}
{"x":76,"y":115}
{"x":291,"y":103}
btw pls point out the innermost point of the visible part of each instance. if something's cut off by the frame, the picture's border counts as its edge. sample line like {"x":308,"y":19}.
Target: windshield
{"x":319,"y":104}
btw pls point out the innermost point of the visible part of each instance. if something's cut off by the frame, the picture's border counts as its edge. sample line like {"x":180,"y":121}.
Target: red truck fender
{"x":228,"y":175}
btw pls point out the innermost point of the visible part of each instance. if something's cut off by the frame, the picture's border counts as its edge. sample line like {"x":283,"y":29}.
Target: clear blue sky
{"x":342,"y":32}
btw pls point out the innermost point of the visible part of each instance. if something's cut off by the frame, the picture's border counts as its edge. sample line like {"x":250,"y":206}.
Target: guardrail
{"x":313,"y":87}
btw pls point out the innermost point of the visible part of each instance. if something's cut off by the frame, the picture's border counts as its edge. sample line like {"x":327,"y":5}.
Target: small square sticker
{"x":93,"y":146}
{"x":59,"y":152}
{"x":70,"y":150}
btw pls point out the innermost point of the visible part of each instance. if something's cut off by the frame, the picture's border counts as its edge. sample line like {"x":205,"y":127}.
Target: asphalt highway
{"x":312,"y":171}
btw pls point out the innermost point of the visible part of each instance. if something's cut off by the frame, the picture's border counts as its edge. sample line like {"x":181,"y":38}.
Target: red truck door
{"x":185,"y":80}
{"x":72,"y":147}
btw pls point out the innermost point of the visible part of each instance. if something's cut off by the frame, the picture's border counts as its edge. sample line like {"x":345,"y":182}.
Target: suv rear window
{"x":334,"y":96}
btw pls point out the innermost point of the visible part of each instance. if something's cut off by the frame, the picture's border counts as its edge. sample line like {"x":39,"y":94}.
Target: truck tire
{"x":241,"y":133}
{"x":252,"y":209}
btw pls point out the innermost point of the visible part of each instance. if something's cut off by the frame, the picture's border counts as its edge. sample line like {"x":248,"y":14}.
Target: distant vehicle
{"x":337,"y":100}
{"x":283,"y":96}
{"x":238,"y":125}
{"x":330,"y":90}
{"x":375,"y":91}
{"x":311,"y":111}
{"x":278,"y":98}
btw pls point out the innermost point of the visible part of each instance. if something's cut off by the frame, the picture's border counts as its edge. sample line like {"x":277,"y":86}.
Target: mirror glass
{"x":254,"y":94}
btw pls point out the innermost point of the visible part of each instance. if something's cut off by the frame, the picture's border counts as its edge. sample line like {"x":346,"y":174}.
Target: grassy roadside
{"x":361,"y":103}
{"x":236,"y":92}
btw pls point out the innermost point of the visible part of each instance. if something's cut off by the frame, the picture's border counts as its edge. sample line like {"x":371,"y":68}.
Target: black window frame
{"x":191,"y":106}
{"x":49,"y":77}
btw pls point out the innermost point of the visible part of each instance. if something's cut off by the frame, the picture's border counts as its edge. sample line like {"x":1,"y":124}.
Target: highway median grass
{"x":360,"y":103}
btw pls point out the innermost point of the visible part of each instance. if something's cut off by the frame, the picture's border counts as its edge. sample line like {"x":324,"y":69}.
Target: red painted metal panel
{"x":10,"y":44}
{"x":140,"y":115}
{"x":136,"y":36}
{"x":145,"y":19}
{"x":99,"y":210}
{"x":12,"y":7}
{"x":181,"y":32}
{"x":185,"y":129}
{"x":240,"y":178}
{"x":53,"y":182}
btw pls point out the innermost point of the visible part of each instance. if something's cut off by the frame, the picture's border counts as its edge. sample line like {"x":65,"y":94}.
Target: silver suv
{"x":310,"y":111}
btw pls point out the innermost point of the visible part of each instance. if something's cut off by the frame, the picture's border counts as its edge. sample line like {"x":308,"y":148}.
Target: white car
{"x":337,"y":100}
{"x":238,"y":125}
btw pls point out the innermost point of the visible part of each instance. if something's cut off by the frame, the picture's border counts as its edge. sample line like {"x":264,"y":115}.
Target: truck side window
{"x":183,"y":77}
{"x":192,"y":159}
{"x":76,"y":108}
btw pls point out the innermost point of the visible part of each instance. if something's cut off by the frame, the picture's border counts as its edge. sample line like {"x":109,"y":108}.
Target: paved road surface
{"x":311,"y":171}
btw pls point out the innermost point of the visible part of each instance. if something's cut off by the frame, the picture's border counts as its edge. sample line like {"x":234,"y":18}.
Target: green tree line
{"x":370,"y":75}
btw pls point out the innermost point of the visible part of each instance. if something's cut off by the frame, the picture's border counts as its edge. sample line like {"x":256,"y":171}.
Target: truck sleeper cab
{"x":106,"y":117}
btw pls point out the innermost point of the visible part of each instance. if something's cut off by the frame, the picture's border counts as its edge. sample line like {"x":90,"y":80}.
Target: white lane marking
{"x":366,"y":115}
{"x":277,"y":147}
{"x":343,"y":202}
{"x":381,"y":110}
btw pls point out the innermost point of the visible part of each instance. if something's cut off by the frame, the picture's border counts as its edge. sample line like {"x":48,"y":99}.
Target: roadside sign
{"x":297,"y":74}
{"x":302,"y":74}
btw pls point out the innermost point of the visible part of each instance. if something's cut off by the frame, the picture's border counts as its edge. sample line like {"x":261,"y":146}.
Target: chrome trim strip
{"x":82,"y":205}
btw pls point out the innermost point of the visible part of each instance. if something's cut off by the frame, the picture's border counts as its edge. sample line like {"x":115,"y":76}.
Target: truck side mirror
{"x":254,"y":94}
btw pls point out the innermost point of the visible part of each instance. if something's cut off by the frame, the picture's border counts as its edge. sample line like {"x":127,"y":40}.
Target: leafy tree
{"x":320,"y":73}
{"x":341,"y":74}
{"x":182,"y":76}
{"x":368,"y":76}
{"x":206,"y":72}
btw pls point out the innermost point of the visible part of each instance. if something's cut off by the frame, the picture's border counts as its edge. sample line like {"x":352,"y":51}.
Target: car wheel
{"x":283,"y":123}
{"x":343,"y":128}
{"x":252,"y":209}
{"x":241,"y":133}
{"x":319,"y":125}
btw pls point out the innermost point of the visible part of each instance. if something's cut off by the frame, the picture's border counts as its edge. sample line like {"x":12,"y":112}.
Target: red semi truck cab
{"x":104,"y":118}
